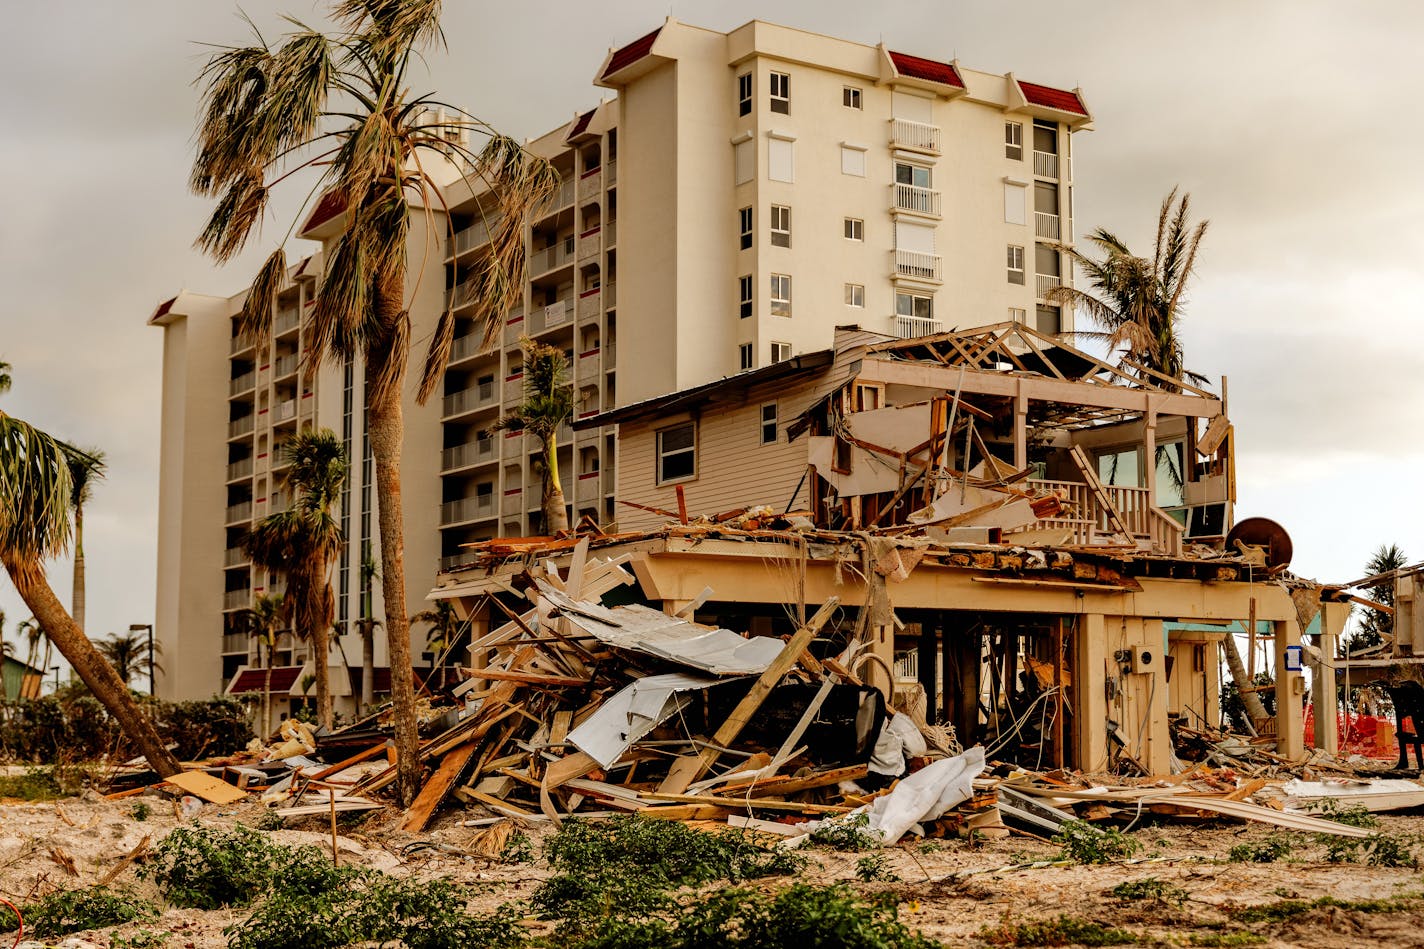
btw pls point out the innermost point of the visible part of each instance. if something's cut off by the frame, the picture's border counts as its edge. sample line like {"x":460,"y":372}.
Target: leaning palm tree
{"x":303,"y":542}
{"x":264,"y":621}
{"x":342,"y":104}
{"x":34,"y":526}
{"x":86,"y":466}
{"x":1138,"y":301}
{"x":548,"y":403}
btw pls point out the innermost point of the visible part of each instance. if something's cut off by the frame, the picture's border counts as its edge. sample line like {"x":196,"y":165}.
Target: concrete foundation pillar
{"x":1290,"y":687}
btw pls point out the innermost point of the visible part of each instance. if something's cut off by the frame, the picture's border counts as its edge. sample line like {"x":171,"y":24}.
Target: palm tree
{"x":548,"y":403}
{"x":34,"y":526}
{"x":128,"y":654}
{"x":366,"y":626}
{"x":264,"y":620}
{"x":1375,"y":623}
{"x":1136,"y":300}
{"x":34,"y":635}
{"x":4,"y":376}
{"x":443,"y":631}
{"x":304,"y":541}
{"x":341,"y":104}
{"x":86,"y":466}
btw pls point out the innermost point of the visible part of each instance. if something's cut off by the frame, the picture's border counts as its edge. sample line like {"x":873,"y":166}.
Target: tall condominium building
{"x":756,"y":188}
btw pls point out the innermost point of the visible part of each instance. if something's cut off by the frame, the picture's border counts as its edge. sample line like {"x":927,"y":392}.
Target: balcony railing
{"x":1089,"y":523}
{"x":467,"y":509}
{"x":917,"y":199}
{"x":239,"y":469}
{"x":1045,"y":282}
{"x":238,"y":512}
{"x":471,"y":453}
{"x":908,"y":327}
{"x":239,"y":344}
{"x":556,"y":255}
{"x":451,"y":561}
{"x":235,"y":556}
{"x":610,"y":294}
{"x":470,"y":400}
{"x":590,"y":485}
{"x":241,"y":426}
{"x":469,"y":238}
{"x":588,"y":303}
{"x":610,"y":171}
{"x":284,"y":366}
{"x":916,"y":135}
{"x":589,"y":244}
{"x":243,"y":383}
{"x":283,"y":411}
{"x":1045,"y":225}
{"x":1045,"y":164}
{"x":286,"y":320}
{"x":237,"y":599}
{"x":590,"y":183}
{"x":514,"y":327}
{"x":610,"y":234}
{"x":234,"y":643}
{"x":908,"y":263}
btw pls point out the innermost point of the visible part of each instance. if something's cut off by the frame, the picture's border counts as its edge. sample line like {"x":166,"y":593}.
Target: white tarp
{"x":633,"y":712}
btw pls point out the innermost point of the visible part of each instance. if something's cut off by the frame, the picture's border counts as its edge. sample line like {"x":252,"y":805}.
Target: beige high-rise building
{"x":756,"y":188}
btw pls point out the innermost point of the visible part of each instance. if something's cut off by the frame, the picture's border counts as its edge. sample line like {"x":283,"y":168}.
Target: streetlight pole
{"x":138,"y":628}
{"x":55,"y":670}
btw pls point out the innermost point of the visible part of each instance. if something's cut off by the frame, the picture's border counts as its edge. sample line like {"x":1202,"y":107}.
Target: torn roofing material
{"x":634,"y":711}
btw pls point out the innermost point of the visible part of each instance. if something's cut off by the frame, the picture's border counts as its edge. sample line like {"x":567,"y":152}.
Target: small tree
{"x":1376,"y":624}
{"x":86,"y":466}
{"x":548,"y":403}
{"x":264,"y":620}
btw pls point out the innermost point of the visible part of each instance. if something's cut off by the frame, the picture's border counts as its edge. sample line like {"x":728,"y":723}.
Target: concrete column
{"x":1157,"y":742}
{"x":1290,"y":686}
{"x":1322,"y":679}
{"x":1149,"y":448}
{"x":1021,"y":431}
{"x":1090,"y":705}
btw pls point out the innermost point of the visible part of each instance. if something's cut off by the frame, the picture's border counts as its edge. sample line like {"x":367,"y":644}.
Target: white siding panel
{"x":781,"y":160}
{"x":745,"y":161}
{"x":1015,"y":204}
{"x":913,"y":108}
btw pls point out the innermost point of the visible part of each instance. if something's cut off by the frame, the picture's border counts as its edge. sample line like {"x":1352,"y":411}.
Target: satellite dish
{"x":1265,"y":533}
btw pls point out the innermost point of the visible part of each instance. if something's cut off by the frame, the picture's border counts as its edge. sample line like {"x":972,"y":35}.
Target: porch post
{"x":1021,"y":429}
{"x":1289,"y":688}
{"x":1149,"y":447}
{"x":1090,"y":712}
{"x":1322,"y":680}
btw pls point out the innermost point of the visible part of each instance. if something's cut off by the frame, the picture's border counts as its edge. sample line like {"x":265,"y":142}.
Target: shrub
{"x":1376,"y":850}
{"x":207,"y":868}
{"x":1084,"y":843}
{"x":1269,"y":850}
{"x":846,"y":833}
{"x":1356,"y":815}
{"x":1149,"y":889}
{"x":72,"y":911}
{"x":875,"y":869}
{"x":1063,"y":931}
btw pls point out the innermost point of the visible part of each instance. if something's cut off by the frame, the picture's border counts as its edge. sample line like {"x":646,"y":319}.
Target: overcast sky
{"x":1287,"y":121}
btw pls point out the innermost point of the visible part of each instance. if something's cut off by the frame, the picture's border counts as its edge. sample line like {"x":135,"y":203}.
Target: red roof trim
{"x":917,"y":67}
{"x":252,"y":680}
{"x":1051,"y":98}
{"x":631,"y":53}
{"x":331,"y":204}
{"x":581,"y":123}
{"x":163,"y":308}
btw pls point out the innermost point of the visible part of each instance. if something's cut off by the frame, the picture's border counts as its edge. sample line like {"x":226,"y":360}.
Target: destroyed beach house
{"x":1028,"y":548}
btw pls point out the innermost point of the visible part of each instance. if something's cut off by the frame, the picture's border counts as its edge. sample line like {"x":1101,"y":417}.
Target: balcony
{"x":237,"y":513}
{"x":610,"y":234}
{"x":915,"y":136}
{"x":908,"y":263}
{"x":589,"y":244}
{"x":239,"y":344}
{"x":237,"y":599}
{"x":473,"y":453}
{"x":916,"y":199}
{"x":589,"y":485}
{"x":243,"y":383}
{"x":556,"y":255}
{"x":590,"y":184}
{"x":284,"y":411}
{"x":235,"y":557}
{"x":241,"y":426}
{"x":565,"y":197}
{"x":284,"y":366}
{"x":514,"y":327}
{"x":462,"y":294}
{"x":473,"y":399}
{"x":1045,"y":225}
{"x":469,"y":238}
{"x":1045,"y":164}
{"x":466,"y":509}
{"x":286,"y":320}
{"x":235,"y":644}
{"x":908,"y":327}
{"x":610,"y":171}
{"x":241,"y":468}
{"x":589,"y":304}
{"x":610,"y":295}
{"x":451,"y":561}
{"x":1043,"y":283}
{"x":554,"y":315}
{"x":465,"y":347}
{"x":513,"y":502}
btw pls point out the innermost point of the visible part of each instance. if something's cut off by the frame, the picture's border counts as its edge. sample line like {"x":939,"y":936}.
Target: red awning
{"x":917,"y":67}
{"x":1051,"y":98}
{"x":631,"y":53}
{"x":252,"y":680}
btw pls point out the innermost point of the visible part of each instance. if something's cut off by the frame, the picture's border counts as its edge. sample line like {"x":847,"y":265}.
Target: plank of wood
{"x":353,"y":760}
{"x":526,"y":678}
{"x":736,"y":804}
{"x":575,"y":765}
{"x":503,"y":807}
{"x":686,"y":770}
{"x":819,"y":780}
{"x":430,"y":796}
{"x":1246,"y":790}
{"x":204,"y":785}
{"x":685,"y":812}
{"x":1100,"y":494}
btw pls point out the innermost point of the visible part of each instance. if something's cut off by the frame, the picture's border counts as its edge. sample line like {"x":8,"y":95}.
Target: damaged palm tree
{"x":35,"y":490}
{"x":548,"y":403}
{"x":341,"y":105}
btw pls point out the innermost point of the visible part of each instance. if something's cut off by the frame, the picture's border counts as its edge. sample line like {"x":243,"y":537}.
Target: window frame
{"x":780,"y":225}
{"x":768,"y":426}
{"x":914,"y":167}
{"x":1013,"y":141}
{"x":780,"y":305}
{"x":780,"y":101}
{"x":853,"y":97}
{"x":746,"y":296}
{"x":746,"y":89}
{"x":1018,"y":271}
{"x":746,"y":356}
{"x":855,"y":292}
{"x":783,"y":349}
{"x":746,"y":219}
{"x":916,"y":298}
{"x":853,"y":229}
{"x":660,"y":455}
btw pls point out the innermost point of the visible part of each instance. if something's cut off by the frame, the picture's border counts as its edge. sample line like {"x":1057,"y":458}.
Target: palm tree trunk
{"x":77,"y":599}
{"x":556,"y":514}
{"x":267,"y":694}
{"x":368,"y":660}
{"x":386,"y":429}
{"x":97,"y":674}
{"x":1255,"y":708}
{"x":321,"y":645}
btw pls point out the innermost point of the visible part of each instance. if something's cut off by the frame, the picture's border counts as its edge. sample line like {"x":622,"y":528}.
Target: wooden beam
{"x":437,"y":787}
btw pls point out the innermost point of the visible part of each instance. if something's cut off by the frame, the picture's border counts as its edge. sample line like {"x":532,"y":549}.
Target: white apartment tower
{"x":756,"y":188}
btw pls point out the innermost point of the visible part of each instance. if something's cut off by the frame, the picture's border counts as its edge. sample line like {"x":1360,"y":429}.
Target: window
{"x":1018,"y":315}
{"x":780,"y":294}
{"x":853,"y":160}
{"x":745,"y":296}
{"x":1016,"y":265}
{"x":677,"y":453}
{"x":1050,"y":319}
{"x":908,"y":174}
{"x":768,"y":424}
{"x":744,"y":216}
{"x":1013,"y":140}
{"x":780,"y":352}
{"x":744,"y":94}
{"x":854,"y":229}
{"x":744,"y":356}
{"x":780,"y":225}
{"x":781,"y":93}
{"x":854,"y":295}
{"x":851,"y":97}
{"x":1045,"y":137}
{"x":781,"y":160}
{"x":917,"y":305}
{"x":744,"y":160}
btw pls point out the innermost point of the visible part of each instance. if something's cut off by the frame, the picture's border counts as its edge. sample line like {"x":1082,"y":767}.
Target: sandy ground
{"x":40,"y":842}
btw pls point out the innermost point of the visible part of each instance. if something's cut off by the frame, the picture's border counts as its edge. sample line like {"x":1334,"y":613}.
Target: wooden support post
{"x":1090,"y":704}
{"x":1021,"y":431}
{"x":1058,"y":757}
{"x":1289,"y":715}
{"x":1149,"y":448}
{"x":1322,"y":680}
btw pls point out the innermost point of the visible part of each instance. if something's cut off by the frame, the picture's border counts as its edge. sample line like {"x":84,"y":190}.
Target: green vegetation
{"x":1227,"y":940}
{"x":1356,"y":815}
{"x":36,"y":784}
{"x":846,"y":833}
{"x":1274,"y":847}
{"x":1063,"y":931}
{"x":71,"y":911}
{"x":1376,"y":850}
{"x":1149,"y":889}
{"x":1287,"y":909}
{"x":1084,"y":843}
{"x":875,"y":869}
{"x":207,"y":868}
{"x":140,"y":810}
